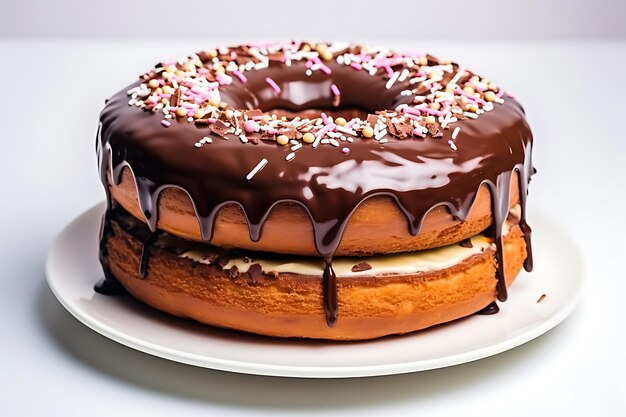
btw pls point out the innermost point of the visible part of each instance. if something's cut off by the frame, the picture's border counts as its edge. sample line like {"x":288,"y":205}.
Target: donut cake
{"x":314,"y":190}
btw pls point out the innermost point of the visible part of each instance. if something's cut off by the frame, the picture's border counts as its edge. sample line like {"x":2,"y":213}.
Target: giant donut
{"x":316,"y":150}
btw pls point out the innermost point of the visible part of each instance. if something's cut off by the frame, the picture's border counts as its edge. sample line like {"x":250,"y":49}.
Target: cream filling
{"x":396,"y":264}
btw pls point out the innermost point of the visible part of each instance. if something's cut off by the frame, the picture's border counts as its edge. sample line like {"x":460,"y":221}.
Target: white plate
{"x":72,"y":270}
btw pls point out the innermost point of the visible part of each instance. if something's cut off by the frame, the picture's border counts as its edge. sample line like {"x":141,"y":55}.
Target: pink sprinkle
{"x":190,"y":105}
{"x":240,"y":75}
{"x":212,"y":120}
{"x":325,"y":118}
{"x":250,"y":126}
{"x":272,"y":131}
{"x":203,"y":70}
{"x":326,"y":129}
{"x":356,"y":66}
{"x":335,"y":90}
{"x":233,"y":55}
{"x":325,"y":69}
{"x":197,"y":90}
{"x":165,"y":123}
{"x":500,"y":93}
{"x":309,"y":64}
{"x":471,"y":97}
{"x":273,"y":84}
{"x":418,"y":132}
{"x":345,"y":150}
{"x":350,"y":124}
{"x":223,"y":79}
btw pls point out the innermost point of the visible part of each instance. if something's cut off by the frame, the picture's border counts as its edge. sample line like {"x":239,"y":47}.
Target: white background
{"x":59,"y":63}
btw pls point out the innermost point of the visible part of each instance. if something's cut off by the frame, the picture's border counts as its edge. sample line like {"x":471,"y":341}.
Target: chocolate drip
{"x":489,"y":310}
{"x":418,"y":174}
{"x":145,"y":253}
{"x":500,"y":208}
{"x":329,"y":285}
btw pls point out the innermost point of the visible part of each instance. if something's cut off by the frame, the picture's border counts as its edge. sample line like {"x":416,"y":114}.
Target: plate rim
{"x":298,"y":371}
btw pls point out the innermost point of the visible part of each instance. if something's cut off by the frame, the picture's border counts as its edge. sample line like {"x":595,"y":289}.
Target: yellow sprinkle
{"x":368,"y":132}
{"x":181,"y":112}
{"x":308,"y":137}
{"x":490,"y":95}
{"x":153,"y":83}
{"x":340,"y":121}
{"x":282,"y":139}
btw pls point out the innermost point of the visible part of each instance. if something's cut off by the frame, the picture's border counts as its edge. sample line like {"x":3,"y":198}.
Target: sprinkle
{"x":403,"y":75}
{"x":345,"y":150}
{"x":418,"y":132}
{"x":166,"y":123}
{"x":333,"y":142}
{"x":335,"y":89}
{"x":273,"y":84}
{"x":452,"y":145}
{"x":243,"y":138}
{"x":296,"y":147}
{"x":251,"y":126}
{"x":257,"y":168}
{"x":290,"y":156}
{"x":240,"y":75}
{"x":392,"y":80}
{"x":455,"y":132}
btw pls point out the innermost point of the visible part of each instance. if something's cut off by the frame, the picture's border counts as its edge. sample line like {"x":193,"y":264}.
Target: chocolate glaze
{"x":492,"y":308}
{"x":145,"y":252}
{"x":418,"y":174}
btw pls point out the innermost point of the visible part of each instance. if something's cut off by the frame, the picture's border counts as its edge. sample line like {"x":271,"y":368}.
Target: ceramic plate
{"x":72,"y":270}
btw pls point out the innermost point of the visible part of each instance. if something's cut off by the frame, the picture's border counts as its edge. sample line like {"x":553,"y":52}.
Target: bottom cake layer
{"x":281,"y":296}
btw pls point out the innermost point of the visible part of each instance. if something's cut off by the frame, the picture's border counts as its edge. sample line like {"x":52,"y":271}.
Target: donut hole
{"x":290,"y":92}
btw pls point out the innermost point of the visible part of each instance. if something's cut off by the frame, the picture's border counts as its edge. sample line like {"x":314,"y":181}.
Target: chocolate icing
{"x":418,"y":174}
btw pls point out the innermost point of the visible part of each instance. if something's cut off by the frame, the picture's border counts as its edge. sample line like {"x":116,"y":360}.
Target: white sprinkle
{"x":470,"y":115}
{"x":380,"y":134}
{"x":392,"y":80}
{"x":446,"y":120}
{"x":455,"y":132}
{"x":296,"y":147}
{"x":290,"y":156}
{"x":452,"y":145}
{"x":197,"y":144}
{"x":333,"y":142}
{"x":346,"y":131}
{"x":257,"y":168}
{"x":456,"y":77}
{"x":383,"y":141}
{"x":243,"y":138}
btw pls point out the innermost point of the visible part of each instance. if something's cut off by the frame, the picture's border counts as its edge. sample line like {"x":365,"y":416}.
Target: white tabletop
{"x":574,"y":95}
